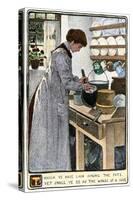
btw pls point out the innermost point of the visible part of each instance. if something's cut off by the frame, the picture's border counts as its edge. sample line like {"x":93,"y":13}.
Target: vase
{"x":35,"y":63}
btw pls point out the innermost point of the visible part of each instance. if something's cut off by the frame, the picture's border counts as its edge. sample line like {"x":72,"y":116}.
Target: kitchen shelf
{"x":122,"y":58}
{"x":110,"y":26}
{"x":107,"y":46}
{"x":123,"y":35}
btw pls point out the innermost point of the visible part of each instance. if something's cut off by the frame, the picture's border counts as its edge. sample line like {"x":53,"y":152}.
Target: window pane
{"x":40,"y":15}
{"x":32,"y":15}
{"x":50,"y":16}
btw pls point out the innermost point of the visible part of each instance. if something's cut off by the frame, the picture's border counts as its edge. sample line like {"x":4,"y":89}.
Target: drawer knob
{"x":85,"y":123}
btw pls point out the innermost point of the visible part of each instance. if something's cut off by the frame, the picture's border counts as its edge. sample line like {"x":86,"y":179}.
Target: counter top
{"x":104,"y":118}
{"x":109,"y":132}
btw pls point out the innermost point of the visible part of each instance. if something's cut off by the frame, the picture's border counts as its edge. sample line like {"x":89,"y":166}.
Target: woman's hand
{"x":87,"y":87}
{"x":83,"y":80}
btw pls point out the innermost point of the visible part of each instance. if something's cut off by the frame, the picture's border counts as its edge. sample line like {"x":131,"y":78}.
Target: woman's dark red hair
{"x":76,"y":35}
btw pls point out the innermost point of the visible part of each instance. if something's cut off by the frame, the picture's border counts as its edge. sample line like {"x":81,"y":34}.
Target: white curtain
{"x":51,"y":38}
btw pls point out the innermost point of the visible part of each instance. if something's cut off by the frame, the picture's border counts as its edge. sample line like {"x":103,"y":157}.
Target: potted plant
{"x":35,"y":56}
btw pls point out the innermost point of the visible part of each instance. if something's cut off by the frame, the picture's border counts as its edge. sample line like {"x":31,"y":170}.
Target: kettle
{"x":119,"y":68}
{"x":97,"y":67}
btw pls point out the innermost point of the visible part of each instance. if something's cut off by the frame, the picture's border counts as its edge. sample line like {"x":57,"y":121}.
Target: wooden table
{"x":108,"y":132}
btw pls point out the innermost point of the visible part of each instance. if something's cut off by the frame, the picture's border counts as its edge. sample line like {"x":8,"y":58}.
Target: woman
{"x":49,"y":141}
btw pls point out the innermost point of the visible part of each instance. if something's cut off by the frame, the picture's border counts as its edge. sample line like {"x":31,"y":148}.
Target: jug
{"x":119,"y":68}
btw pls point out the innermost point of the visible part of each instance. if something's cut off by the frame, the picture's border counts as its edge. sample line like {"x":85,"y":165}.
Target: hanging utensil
{"x":97,"y":67}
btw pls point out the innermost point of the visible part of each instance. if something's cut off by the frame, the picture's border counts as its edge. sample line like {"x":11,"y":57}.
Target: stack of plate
{"x":103,"y":51}
{"x":96,"y":33}
{"x":120,"y":41}
{"x":94,"y":51}
{"x":111,"y":41}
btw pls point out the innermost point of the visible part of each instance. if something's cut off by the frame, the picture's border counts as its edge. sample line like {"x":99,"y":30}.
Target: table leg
{"x":79,"y":150}
{"x":108,"y":148}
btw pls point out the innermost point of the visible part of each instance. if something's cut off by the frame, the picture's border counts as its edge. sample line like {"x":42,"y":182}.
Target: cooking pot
{"x":100,"y":84}
{"x":89,"y":97}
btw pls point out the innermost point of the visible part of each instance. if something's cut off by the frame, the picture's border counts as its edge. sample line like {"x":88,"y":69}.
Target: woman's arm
{"x":76,"y":78}
{"x":67,"y":78}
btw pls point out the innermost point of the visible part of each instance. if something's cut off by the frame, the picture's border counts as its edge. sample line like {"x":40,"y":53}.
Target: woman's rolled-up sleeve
{"x":75,"y":78}
{"x":66,"y":76}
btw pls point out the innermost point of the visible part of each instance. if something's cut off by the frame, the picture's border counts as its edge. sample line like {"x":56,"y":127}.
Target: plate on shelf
{"x":96,"y":33}
{"x":109,"y":32}
{"x":94,"y":51}
{"x":119,"y":100}
{"x":111,"y":41}
{"x":121,"y":41}
{"x":103,"y":51}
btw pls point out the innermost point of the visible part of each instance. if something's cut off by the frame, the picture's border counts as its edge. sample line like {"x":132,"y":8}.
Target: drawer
{"x":72,"y":115}
{"x":90,"y":126}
